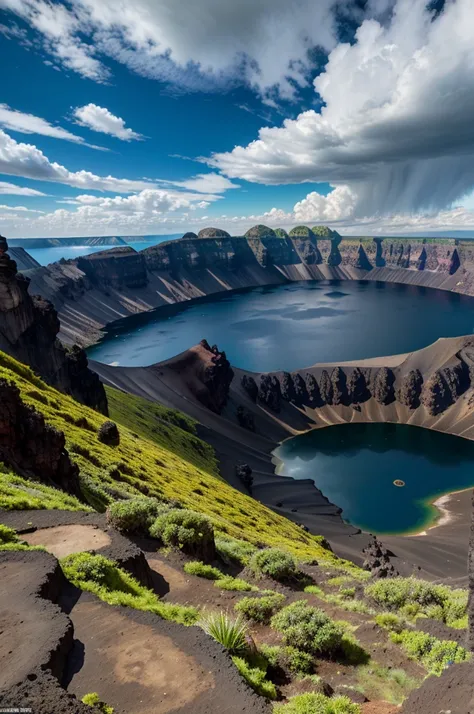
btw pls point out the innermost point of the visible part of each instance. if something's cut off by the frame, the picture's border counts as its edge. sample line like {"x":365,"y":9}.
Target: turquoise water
{"x":293,"y":326}
{"x":355,"y":465}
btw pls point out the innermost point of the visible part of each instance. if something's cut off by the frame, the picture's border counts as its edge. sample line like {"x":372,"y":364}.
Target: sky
{"x":159,"y":116}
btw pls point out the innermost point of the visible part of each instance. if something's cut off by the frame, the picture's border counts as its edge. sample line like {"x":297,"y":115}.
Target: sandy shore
{"x":449,"y":509}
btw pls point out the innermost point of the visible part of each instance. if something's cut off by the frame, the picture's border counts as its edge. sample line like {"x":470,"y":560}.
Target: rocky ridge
{"x":29,"y":326}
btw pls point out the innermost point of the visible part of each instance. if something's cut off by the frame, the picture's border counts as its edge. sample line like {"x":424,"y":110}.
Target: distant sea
{"x":45,"y":256}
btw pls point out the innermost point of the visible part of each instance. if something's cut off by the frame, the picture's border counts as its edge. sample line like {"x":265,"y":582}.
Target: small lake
{"x":292,"y":326}
{"x":355,"y":465}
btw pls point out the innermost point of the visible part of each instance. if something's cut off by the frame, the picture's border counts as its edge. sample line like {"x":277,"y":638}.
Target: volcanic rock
{"x":409,"y":391}
{"x":245,"y":418}
{"x":362,"y":261}
{"x":269,"y":392}
{"x":377,"y":560}
{"x":109,"y":434}
{"x":339,"y":386}
{"x":30,"y":446}
{"x":383,"y":388}
{"x":250,"y":386}
{"x":357,"y":387}
{"x":325,"y":387}
{"x":287,"y":387}
{"x":244,"y":473}
{"x":213,"y":233}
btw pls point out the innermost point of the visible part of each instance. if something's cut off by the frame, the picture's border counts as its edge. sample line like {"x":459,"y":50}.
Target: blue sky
{"x":313,"y":113}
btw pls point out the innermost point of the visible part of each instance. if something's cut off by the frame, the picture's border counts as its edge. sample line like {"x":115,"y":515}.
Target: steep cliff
{"x":29,"y":326}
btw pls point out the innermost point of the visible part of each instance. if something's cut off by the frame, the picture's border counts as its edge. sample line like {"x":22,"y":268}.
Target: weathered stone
{"x":312,"y":387}
{"x":410,"y":388}
{"x":269,"y":392}
{"x":339,"y":386}
{"x":216,"y":378}
{"x":377,"y":560}
{"x":444,"y":387}
{"x":250,"y":386}
{"x":362,"y":262}
{"x":325,"y":387}
{"x":454,"y":263}
{"x":244,"y":473}
{"x":30,"y":446}
{"x":109,"y":434}
{"x":335,"y":257}
{"x":421,"y":262}
{"x":383,"y":388}
{"x":213,"y":233}
{"x":245,"y":418}
{"x":260,"y":231}
{"x":379,"y":259}
{"x":357,"y":389}
{"x":301,"y":393}
{"x":28,"y":332}
{"x":287,"y":387}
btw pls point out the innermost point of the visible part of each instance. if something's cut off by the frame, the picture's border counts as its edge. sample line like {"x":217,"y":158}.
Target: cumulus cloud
{"x":14,"y":190}
{"x":24,"y":123}
{"x":199,"y":46}
{"x":396,"y":125}
{"x":102,"y":120}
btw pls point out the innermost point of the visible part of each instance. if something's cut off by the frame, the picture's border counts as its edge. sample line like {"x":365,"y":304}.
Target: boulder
{"x":109,"y":434}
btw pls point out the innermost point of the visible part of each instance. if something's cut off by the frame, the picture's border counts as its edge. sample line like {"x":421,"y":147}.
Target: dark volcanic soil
{"x":453,"y":692}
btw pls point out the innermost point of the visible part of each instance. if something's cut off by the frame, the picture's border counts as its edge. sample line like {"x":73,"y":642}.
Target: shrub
{"x":7,"y":535}
{"x":255,"y":676}
{"x":389,"y":685}
{"x":104,"y":578}
{"x":296,"y":660}
{"x":232,"y":549}
{"x":92,"y":699}
{"x":312,"y":703}
{"x":197,"y":567}
{"x":275,"y":563}
{"x":188,"y":530}
{"x":347,"y":592}
{"x":230,"y":633}
{"x":227,"y":582}
{"x":135,"y":515}
{"x":260,"y":609}
{"x":433,"y":654}
{"x":308,"y":629}
{"x":416,"y":597}
{"x":389,"y":621}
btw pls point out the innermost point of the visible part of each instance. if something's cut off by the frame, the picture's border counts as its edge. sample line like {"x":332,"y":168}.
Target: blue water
{"x":45,"y":256}
{"x":293,"y":326}
{"x":355,"y":465}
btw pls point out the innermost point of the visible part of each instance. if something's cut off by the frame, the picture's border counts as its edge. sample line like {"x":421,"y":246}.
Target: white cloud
{"x":100,"y":119}
{"x":14,"y":120}
{"x":18,"y":159}
{"x":195,"y":45}
{"x":339,"y":204}
{"x":21,"y":209}
{"x":14,"y":190}
{"x":206,"y":183}
{"x":396,"y":126}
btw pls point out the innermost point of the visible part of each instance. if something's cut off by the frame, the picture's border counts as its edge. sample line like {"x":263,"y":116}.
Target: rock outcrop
{"x":29,"y":326}
{"x":109,"y":434}
{"x":409,"y":392}
{"x":383,"y":389}
{"x":377,"y":560}
{"x":250,"y":386}
{"x":269,"y":392}
{"x":216,"y":378}
{"x":30,"y":446}
{"x":115,"y":268}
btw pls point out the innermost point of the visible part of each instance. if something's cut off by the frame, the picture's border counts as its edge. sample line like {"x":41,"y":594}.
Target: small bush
{"x":296,"y":660}
{"x":347,"y":592}
{"x":389,"y":621}
{"x":312,"y":703}
{"x":415,"y":597}
{"x":234,"y":550}
{"x":275,"y":563}
{"x":197,"y":567}
{"x":227,"y":582}
{"x":188,"y":530}
{"x":433,"y":654}
{"x":113,"y":585}
{"x":260,"y":609}
{"x":135,"y":515}
{"x":230,"y":633}
{"x":93,"y":700}
{"x":308,"y":629}
{"x":255,"y":676}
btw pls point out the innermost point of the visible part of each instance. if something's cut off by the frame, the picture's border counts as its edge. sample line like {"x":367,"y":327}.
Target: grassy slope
{"x":159,"y":460}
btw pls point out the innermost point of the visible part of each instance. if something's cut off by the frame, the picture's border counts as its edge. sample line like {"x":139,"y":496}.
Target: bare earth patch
{"x":64,"y":540}
{"x":132,"y":666}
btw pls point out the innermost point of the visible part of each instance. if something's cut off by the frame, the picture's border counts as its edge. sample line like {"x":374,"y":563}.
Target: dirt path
{"x":64,"y":540}
{"x":140,"y":664}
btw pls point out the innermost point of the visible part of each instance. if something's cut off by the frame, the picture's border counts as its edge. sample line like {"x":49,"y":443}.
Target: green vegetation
{"x":230,"y":633}
{"x":19,"y":494}
{"x":312,"y":703}
{"x":115,"y":586}
{"x":432,"y":653}
{"x":234,"y":550}
{"x":184,"y":529}
{"x":275,"y":563}
{"x":10,"y":541}
{"x":416,"y":598}
{"x":254,"y":671}
{"x":93,"y":700}
{"x":301,"y":232}
{"x":197,"y":567}
{"x":308,"y":629}
{"x":227,"y":582}
{"x":381,"y":683}
{"x":290,"y":658}
{"x":260,"y":609}
{"x":135,"y":515}
{"x":281,"y":233}
{"x":146,"y":463}
{"x":325,"y":232}
{"x":389,"y":621}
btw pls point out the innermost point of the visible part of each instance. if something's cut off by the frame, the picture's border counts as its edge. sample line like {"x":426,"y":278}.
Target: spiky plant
{"x":229,"y":632}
